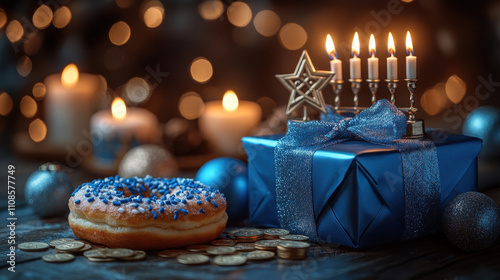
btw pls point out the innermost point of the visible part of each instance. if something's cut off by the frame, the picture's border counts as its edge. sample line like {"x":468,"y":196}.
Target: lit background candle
{"x":224,"y":123}
{"x":69,"y":105}
{"x":335,"y":63}
{"x":355,"y":62}
{"x":392,"y":61}
{"x":372,"y":60}
{"x":411,"y":60}
{"x":115,"y":131}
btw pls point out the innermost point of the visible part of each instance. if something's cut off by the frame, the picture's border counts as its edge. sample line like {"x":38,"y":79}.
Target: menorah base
{"x":415,"y":129}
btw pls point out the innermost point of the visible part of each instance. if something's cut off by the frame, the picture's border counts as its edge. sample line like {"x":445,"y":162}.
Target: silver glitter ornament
{"x":484,"y":123}
{"x":471,"y":221}
{"x":145,"y":160}
{"x":47,"y":191}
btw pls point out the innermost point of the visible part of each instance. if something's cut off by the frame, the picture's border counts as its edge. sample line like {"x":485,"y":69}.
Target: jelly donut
{"x":147,"y":213}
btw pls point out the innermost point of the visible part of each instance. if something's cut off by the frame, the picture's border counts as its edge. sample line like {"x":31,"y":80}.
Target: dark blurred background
{"x":245,"y":43}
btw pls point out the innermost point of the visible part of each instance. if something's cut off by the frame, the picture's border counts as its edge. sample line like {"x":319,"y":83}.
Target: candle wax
{"x":392,"y":68}
{"x":411,"y":67}
{"x":336,"y":67}
{"x":355,"y":67}
{"x":373,"y":68}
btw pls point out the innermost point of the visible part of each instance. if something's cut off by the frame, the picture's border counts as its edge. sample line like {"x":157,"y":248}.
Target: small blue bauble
{"x":484,"y":123}
{"x":48,"y":190}
{"x":229,"y":176}
{"x":471,"y":221}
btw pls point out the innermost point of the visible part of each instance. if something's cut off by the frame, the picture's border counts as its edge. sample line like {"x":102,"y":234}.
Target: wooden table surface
{"x":428,"y":258}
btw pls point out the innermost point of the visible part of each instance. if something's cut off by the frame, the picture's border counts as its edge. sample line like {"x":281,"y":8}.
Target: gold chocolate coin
{"x":70,"y":246}
{"x":55,"y":258}
{"x":266,"y":244}
{"x":275,"y":232}
{"x":198,"y":248}
{"x":33,"y":246}
{"x":221,"y":250}
{"x":230,"y":260}
{"x":138,"y":255}
{"x":260,"y":255}
{"x":170,"y":254}
{"x":96,"y":253}
{"x":101,"y":259}
{"x":193,"y":259}
{"x":294,"y":237}
{"x":247,"y":234}
{"x":293,"y":244}
{"x":119,"y":253}
{"x":245,"y":247}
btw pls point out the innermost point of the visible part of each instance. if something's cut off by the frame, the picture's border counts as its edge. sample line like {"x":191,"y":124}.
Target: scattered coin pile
{"x":234,"y":247}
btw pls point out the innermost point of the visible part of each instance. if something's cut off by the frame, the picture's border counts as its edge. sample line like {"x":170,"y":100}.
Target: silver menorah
{"x":414,"y":127}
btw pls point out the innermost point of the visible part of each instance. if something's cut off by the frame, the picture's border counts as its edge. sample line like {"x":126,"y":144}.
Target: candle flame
{"x":118,"y":109}
{"x":230,"y":101}
{"x":409,"y":44}
{"x":390,"y":45}
{"x":355,"y":45}
{"x":371,"y":46}
{"x":69,"y":76}
{"x":330,"y":47}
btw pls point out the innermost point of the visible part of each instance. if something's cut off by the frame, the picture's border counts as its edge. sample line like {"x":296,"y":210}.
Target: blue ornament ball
{"x":471,"y":221}
{"x":48,"y":190}
{"x":484,"y":123}
{"x":230,"y":176}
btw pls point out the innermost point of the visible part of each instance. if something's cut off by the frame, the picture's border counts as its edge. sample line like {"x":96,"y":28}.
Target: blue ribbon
{"x":382,"y":123}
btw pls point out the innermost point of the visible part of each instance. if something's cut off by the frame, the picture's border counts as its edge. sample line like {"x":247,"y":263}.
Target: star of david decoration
{"x":305,"y":85}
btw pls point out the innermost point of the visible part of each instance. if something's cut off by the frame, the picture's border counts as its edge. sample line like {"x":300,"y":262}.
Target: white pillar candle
{"x":224,"y":123}
{"x":69,"y":105}
{"x":335,"y":63}
{"x":355,"y":62}
{"x":120,"y":129}
{"x":392,"y":61}
{"x":411,"y":60}
{"x":372,"y":61}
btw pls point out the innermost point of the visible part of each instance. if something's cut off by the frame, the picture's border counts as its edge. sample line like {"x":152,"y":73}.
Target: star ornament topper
{"x":305,"y":85}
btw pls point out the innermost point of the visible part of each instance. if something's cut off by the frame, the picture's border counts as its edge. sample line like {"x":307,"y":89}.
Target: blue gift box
{"x":358,"y":191}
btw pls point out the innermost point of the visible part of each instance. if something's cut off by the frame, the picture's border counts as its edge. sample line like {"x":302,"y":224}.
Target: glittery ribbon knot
{"x":382,"y":123}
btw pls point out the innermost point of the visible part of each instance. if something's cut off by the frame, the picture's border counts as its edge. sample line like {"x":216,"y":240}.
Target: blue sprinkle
{"x":173,"y":202}
{"x":168,"y":202}
{"x":190,"y":196}
{"x":215,"y":204}
{"x":162,"y":210}
{"x":148,"y":201}
{"x":116,"y":203}
{"x":197,"y":197}
{"x":184,"y":211}
{"x":176,"y":215}
{"x":136,"y":205}
{"x":105,"y":201}
{"x":90,"y":199}
{"x":208,"y":198}
{"x":149,"y":208}
{"x":199,"y":202}
{"x":201,"y":211}
{"x":184,"y":201}
{"x":155,"y":216}
{"x":77,"y":201}
{"x":162,"y":203}
{"x":87,"y":194}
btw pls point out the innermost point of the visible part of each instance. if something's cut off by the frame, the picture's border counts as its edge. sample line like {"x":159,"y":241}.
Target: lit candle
{"x":355,"y":62}
{"x":69,"y":105}
{"x":392,"y":61}
{"x":411,"y":60}
{"x":117,"y":130}
{"x":224,"y":123}
{"x":335,"y":63}
{"x":372,"y":60}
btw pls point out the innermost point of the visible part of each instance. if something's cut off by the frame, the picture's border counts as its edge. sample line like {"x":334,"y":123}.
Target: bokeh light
{"x":42,"y":17}
{"x":24,"y":66}
{"x":28,"y":106}
{"x":434,"y":100}
{"x":137,"y":90}
{"x":230,"y":101}
{"x":37,"y":130}
{"x":14,"y":31}
{"x":455,"y":89}
{"x":39,"y":90}
{"x":211,"y":9}
{"x":124,"y":3}
{"x":153,"y":13}
{"x":201,"y":70}
{"x":62,"y":17}
{"x":292,"y":36}
{"x":239,"y":14}
{"x":70,"y":76}
{"x":6,"y":104}
{"x":3,"y":18}
{"x":33,"y":43}
{"x":119,"y":33}
{"x":191,"y":105}
{"x":267,"y":23}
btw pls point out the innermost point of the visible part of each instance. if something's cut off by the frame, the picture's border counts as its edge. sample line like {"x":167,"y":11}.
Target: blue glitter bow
{"x":382,"y":123}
